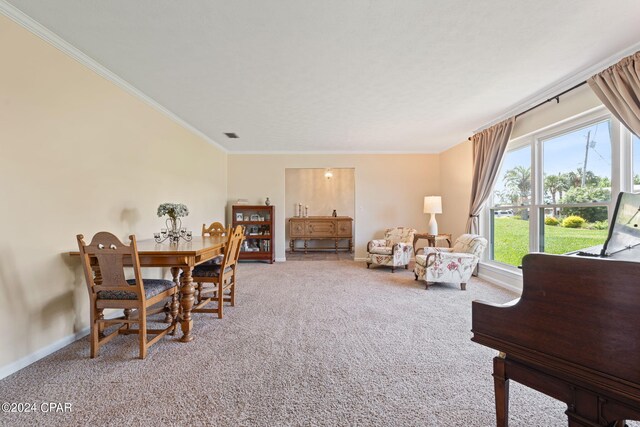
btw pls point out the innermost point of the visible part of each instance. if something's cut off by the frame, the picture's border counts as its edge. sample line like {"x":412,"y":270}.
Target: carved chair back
{"x":232,"y":249}
{"x":109,"y":254}
{"x":215,"y":229}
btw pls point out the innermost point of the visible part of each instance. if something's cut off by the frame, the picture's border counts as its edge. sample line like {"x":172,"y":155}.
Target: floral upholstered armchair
{"x":450,"y":265}
{"x":394,"y":250}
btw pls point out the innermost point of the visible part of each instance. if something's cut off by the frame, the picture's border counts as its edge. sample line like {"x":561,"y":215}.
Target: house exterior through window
{"x":557,"y":187}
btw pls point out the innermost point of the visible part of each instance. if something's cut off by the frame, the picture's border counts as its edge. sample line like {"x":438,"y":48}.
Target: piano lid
{"x":624,"y":232}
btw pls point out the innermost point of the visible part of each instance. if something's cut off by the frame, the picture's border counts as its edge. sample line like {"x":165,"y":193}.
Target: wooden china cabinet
{"x":258,"y":230}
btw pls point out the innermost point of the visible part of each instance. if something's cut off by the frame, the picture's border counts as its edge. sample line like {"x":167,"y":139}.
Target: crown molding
{"x":331,"y":152}
{"x":560,"y":86}
{"x":30,"y":24}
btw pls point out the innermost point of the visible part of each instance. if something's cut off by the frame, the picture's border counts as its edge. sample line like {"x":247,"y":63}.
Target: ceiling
{"x":341,"y":75}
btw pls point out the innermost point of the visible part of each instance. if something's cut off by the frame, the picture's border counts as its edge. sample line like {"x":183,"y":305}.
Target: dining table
{"x":182,"y":256}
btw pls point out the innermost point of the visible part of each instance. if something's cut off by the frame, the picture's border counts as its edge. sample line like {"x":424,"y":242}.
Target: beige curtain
{"x":618,"y":87}
{"x":488,"y":149}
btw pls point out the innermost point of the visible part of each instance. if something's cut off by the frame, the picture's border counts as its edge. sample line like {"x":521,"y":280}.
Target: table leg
{"x":336,"y":245}
{"x":186,"y":302}
{"x":305,"y":245}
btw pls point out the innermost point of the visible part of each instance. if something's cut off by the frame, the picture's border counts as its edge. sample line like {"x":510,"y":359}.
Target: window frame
{"x":621,"y":176}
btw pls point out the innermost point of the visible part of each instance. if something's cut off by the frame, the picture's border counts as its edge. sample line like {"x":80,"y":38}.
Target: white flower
{"x":173,"y":210}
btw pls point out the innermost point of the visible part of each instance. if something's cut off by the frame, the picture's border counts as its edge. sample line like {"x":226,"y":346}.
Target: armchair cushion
{"x":208,"y":270}
{"x":380,"y":250}
{"x":470,"y":243}
{"x":399,"y":235}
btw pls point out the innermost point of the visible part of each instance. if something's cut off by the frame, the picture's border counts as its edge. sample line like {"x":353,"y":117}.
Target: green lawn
{"x":511,"y":237}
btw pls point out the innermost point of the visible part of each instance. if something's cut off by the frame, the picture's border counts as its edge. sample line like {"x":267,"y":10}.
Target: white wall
{"x":79,"y":155}
{"x":575,"y":102}
{"x":456,"y":176}
{"x":390,"y":188}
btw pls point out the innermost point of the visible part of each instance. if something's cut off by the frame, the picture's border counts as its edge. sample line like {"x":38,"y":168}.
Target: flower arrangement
{"x":174,"y":231}
{"x":173,"y":210}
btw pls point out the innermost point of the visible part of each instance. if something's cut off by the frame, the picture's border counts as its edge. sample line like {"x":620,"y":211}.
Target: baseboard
{"x":27,"y":360}
{"x":501,"y":277}
{"x":14,"y":367}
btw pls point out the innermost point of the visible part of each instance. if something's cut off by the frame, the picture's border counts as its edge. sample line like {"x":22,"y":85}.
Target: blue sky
{"x":565,"y":153}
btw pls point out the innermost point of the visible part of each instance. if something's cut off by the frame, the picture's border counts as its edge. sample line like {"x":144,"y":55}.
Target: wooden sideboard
{"x":321,"y":228}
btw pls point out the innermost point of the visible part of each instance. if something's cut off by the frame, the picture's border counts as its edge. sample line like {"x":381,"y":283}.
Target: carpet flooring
{"x":309,"y":343}
{"x":319,"y":256}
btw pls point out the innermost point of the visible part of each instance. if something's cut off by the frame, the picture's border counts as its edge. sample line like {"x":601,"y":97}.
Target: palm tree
{"x":575,"y":178}
{"x":555,"y":184}
{"x":518,"y":180}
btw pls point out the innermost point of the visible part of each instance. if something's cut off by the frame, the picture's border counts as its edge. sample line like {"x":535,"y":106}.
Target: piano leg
{"x":501,"y":386}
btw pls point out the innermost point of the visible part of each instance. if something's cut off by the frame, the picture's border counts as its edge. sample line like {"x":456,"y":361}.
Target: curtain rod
{"x":556,"y":98}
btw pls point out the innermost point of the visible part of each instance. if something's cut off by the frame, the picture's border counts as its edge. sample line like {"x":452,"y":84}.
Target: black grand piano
{"x":574,"y":334}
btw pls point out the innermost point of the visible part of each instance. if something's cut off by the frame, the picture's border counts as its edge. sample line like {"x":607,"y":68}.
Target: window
{"x":510,"y":221}
{"x":554,"y":190}
{"x":576,"y":188}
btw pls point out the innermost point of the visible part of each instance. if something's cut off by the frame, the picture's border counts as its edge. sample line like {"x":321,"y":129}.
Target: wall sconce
{"x":328,"y":174}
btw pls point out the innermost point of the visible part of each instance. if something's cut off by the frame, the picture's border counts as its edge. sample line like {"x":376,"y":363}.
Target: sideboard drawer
{"x":321,"y":228}
{"x":296,"y":228}
{"x":344,"y":228}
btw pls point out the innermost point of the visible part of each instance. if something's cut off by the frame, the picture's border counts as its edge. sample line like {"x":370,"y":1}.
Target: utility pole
{"x":586,"y":156}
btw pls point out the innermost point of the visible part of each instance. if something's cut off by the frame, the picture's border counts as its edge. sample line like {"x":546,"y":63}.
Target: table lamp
{"x":433,"y":206}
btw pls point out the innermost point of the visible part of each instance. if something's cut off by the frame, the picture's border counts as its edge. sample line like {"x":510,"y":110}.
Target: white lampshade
{"x":433,"y":204}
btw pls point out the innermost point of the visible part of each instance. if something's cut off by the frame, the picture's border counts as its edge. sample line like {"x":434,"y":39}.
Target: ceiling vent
{"x":231,"y":135}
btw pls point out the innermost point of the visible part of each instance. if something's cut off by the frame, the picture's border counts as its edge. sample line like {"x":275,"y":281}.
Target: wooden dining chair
{"x":214,"y":229}
{"x":222,"y":276}
{"x":108,"y":288}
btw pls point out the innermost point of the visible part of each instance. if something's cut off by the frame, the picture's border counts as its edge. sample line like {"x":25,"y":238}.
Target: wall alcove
{"x":322,"y":190}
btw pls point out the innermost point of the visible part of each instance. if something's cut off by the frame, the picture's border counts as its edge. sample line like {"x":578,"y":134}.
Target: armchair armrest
{"x":444,"y":257}
{"x":376,"y":243}
{"x":457,"y":255}
{"x":400,"y":246}
{"x":431,"y":250}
